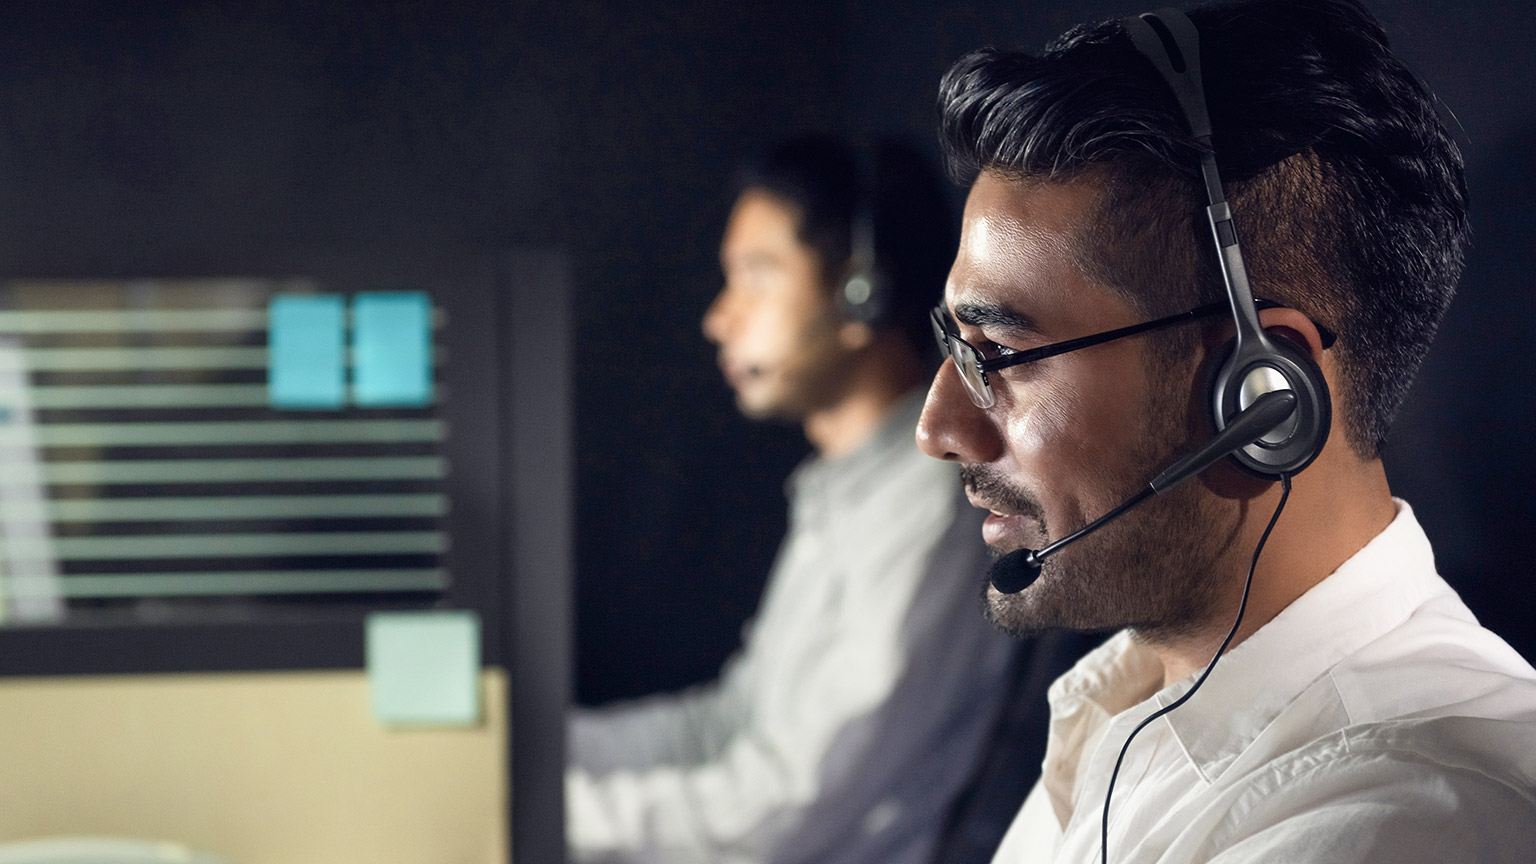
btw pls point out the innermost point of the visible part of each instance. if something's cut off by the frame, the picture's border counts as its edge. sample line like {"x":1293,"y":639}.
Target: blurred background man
{"x":849,"y":721}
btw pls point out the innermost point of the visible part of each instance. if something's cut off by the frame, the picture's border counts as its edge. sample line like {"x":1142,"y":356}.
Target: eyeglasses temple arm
{"x":995,"y":363}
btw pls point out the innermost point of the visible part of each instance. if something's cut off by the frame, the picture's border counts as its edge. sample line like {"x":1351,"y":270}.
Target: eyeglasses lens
{"x":969,"y":367}
{"x":966,"y":362}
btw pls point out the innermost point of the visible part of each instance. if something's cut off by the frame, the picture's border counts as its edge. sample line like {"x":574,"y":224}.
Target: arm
{"x":683,"y":728}
{"x":867,"y":683}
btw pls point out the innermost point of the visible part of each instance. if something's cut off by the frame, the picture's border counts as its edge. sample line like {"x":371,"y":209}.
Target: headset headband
{"x":1256,"y":363}
{"x":1170,"y":41}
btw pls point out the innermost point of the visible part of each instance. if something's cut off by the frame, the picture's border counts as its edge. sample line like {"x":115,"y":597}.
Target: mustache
{"x":992,"y":486}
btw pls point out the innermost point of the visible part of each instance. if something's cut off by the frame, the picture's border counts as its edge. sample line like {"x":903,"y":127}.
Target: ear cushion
{"x":1294,"y":445}
{"x":862,"y":296}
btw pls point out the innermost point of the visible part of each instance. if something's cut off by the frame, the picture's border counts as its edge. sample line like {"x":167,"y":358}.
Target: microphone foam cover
{"x":1015,"y":571}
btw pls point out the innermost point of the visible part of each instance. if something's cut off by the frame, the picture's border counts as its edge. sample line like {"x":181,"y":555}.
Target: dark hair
{"x":833,"y":183}
{"x":1349,"y":193}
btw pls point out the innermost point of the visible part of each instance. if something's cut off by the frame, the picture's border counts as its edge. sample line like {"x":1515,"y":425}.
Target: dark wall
{"x":139,"y":134}
{"x":1460,"y":450}
{"x":143,"y":138}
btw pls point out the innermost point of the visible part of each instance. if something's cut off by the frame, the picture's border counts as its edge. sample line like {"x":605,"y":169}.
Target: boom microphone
{"x":1015,"y":571}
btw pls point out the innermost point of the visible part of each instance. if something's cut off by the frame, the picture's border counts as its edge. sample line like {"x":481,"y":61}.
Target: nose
{"x":716,"y":318}
{"x":952,"y":428}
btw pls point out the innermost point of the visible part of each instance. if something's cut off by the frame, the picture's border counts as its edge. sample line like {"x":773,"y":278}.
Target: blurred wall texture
{"x":202,"y":137}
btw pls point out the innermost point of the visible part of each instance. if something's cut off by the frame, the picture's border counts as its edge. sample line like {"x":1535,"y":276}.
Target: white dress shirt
{"x":843,"y":730}
{"x":1372,"y":720}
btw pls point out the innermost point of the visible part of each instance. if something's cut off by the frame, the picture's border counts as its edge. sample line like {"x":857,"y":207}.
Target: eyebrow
{"x":992,"y":315}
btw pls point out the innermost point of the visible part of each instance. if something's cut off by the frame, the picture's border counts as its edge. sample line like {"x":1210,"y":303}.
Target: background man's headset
{"x":865,"y":290}
{"x":1269,"y":401}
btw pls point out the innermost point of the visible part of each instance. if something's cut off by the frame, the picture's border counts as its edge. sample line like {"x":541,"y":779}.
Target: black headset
{"x":1254,"y":363}
{"x":865,"y":290}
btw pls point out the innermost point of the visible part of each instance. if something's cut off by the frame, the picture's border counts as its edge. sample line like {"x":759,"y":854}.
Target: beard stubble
{"x":1156,"y":570}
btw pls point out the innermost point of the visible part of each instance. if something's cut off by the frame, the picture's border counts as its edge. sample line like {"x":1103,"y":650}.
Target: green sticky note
{"x":392,"y":349}
{"x":306,"y":351}
{"x":424,"y":667}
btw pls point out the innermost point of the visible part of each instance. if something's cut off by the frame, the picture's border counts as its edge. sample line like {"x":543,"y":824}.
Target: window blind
{"x":148,"y":450}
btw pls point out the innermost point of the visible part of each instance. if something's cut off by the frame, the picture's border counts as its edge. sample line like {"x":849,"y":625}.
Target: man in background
{"x":845,"y":727}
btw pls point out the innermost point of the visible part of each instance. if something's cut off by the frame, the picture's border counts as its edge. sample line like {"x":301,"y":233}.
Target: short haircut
{"x":1349,"y":194}
{"x":832,"y":183}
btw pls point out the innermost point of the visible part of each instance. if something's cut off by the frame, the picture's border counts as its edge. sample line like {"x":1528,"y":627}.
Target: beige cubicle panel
{"x":255,"y":768}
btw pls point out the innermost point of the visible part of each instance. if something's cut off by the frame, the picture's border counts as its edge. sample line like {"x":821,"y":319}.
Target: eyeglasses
{"x":974,"y":368}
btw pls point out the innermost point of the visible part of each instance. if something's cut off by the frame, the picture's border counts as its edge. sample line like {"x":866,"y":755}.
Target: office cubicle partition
{"x":261,"y":472}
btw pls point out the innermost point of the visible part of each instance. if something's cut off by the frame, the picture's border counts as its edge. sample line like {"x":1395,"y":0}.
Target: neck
{"x":1330,"y":516}
{"x":877,"y":378}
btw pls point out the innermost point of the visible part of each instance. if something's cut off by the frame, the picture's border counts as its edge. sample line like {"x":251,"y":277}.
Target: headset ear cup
{"x":1291,"y":448}
{"x":862,"y":297}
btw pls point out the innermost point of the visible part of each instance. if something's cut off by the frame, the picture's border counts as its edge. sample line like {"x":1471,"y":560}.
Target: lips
{"x":1006,"y":531}
{"x":735,"y":373}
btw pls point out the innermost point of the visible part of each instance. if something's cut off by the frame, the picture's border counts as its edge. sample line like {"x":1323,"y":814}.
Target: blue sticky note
{"x":306,"y":351}
{"x":392,"y":349}
{"x":424,"y":667}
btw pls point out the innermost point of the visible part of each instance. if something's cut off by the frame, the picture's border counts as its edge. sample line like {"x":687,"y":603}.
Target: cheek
{"x":770,"y":327}
{"x":1074,"y":438}
{"x":1054,"y":443}
{"x":1035,"y":429}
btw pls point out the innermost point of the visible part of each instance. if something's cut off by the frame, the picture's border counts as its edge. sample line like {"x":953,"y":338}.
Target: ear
{"x":1298,"y":328}
{"x":855,"y":335}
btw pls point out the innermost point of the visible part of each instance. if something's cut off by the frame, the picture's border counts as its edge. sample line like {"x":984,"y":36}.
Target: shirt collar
{"x":1370,"y":594}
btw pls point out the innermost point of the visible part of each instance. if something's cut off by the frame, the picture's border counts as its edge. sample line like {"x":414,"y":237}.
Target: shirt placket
{"x":1130,"y":818}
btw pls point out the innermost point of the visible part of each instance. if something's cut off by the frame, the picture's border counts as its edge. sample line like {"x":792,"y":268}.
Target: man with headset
{"x":845,"y":727}
{"x":1200,"y":261}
